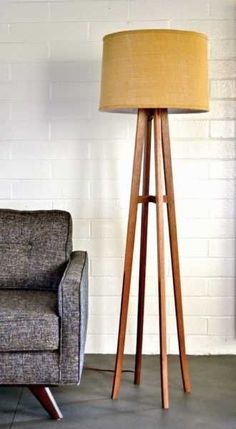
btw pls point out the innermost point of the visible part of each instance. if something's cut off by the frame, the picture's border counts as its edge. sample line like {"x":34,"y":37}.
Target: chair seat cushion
{"x":28,"y":320}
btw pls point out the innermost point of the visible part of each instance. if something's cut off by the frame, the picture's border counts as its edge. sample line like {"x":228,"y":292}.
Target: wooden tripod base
{"x":162,"y":165}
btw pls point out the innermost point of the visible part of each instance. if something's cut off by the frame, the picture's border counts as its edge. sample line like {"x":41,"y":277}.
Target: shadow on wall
{"x":89,"y":159}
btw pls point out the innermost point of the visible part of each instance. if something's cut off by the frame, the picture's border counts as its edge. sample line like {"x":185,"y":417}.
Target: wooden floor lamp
{"x":153,"y":72}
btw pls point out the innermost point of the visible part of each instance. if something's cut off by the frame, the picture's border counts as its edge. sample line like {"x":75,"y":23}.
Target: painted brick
{"x":58,"y":151}
{"x":31,"y":189}
{"x":4,"y":150}
{"x":27,"y":91}
{"x":222,"y":69}
{"x":193,"y":325}
{"x":210,"y":306}
{"x":222,"y":9}
{"x":32,"y":149}
{"x":70,"y":71}
{"x":105,"y":286}
{"x":223,"y":88}
{"x":4,"y":72}
{"x":104,"y":248}
{"x":5,"y":190}
{"x":106,"y":228}
{"x":90,"y":210}
{"x":189,"y":129}
{"x":17,"y":12}
{"x":61,"y":51}
{"x":222,"y":129}
{"x":152,"y":9}
{"x":74,"y":91}
{"x":23,"y":110}
{"x":223,"y":49}
{"x":89,"y":129}
{"x":222,"y":169}
{"x":222,"y":287}
{"x":26,"y":204}
{"x":208,"y":267}
{"x":200,"y":344}
{"x":221,"y":326}
{"x":21,"y":130}
{"x":223,"y":109}
{"x":200,"y":208}
{"x":204,"y":189}
{"x":111,"y":149}
{"x":89,"y":10}
{"x":70,"y":149}
{"x":193,"y":247}
{"x":222,"y":248}
{"x":23,"y":52}
{"x":30,"y":71}
{"x":40,"y":32}
{"x":4,"y":111}
{"x":25,"y":169}
{"x":203,"y":149}
{"x":215,"y":29}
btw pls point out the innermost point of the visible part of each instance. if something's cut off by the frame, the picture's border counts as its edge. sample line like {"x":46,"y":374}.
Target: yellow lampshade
{"x":154,"y":69}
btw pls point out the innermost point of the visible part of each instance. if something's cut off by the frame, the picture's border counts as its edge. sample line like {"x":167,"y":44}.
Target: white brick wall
{"x":58,"y":151}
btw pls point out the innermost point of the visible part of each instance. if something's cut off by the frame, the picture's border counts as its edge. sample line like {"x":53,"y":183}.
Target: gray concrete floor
{"x":212,"y":404}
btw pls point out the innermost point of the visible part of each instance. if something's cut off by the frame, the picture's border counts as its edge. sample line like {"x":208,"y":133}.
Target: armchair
{"x":43,"y":303}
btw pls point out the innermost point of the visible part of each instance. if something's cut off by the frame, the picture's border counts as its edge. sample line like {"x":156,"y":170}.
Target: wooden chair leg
{"x":139,"y":141}
{"x":174,"y":248}
{"x":143,"y":254}
{"x":161,"y":259}
{"x":46,"y":399}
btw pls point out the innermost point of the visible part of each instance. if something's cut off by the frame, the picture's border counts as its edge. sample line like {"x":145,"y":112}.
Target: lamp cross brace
{"x":150,"y":199}
{"x":163,"y":168}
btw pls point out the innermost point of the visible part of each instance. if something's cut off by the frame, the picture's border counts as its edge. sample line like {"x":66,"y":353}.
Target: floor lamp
{"x":151,"y":73}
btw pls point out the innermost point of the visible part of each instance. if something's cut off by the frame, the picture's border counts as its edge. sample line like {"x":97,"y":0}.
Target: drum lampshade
{"x":154,"y":69}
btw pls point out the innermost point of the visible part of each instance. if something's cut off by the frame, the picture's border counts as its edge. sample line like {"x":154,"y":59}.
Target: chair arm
{"x":73,"y":312}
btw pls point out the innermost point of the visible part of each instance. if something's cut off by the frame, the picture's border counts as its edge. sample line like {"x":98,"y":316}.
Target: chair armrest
{"x":73,"y":312}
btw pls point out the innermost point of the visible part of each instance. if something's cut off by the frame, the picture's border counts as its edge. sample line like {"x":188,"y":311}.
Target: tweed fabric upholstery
{"x":43,"y":299}
{"x":29,"y":368}
{"x":34,"y":248}
{"x":28,"y":320}
{"x":73,"y":304}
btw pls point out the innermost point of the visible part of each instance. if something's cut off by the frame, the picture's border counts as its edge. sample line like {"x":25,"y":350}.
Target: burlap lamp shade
{"x":154,"y":69}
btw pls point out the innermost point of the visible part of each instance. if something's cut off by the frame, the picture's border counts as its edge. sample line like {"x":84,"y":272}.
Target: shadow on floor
{"x":210,"y":406}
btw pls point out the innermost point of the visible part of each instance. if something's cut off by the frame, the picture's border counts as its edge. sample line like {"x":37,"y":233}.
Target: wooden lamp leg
{"x":174,"y":248}
{"x":161,"y":259}
{"x":45,"y":397}
{"x":139,"y":141}
{"x":143,"y":253}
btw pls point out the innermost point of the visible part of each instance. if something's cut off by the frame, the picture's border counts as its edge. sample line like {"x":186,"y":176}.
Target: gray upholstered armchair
{"x":43,"y":302}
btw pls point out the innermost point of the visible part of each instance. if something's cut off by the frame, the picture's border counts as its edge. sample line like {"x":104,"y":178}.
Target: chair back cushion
{"x":35,"y":247}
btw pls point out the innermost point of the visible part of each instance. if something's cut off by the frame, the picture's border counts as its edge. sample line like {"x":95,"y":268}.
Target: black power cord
{"x":90,"y":368}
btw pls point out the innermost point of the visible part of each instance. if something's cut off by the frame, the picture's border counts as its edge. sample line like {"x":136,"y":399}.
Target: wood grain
{"x":174,"y":248}
{"x":161,"y":258}
{"x":139,"y":142}
{"x":46,"y":399}
{"x":143,"y":252}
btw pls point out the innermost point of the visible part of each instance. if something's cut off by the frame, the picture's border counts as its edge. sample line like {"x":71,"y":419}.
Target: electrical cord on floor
{"x":89,"y":368}
{"x":17,"y":405}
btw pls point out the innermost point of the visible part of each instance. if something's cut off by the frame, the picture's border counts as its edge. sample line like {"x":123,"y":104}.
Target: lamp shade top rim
{"x":155,"y":30}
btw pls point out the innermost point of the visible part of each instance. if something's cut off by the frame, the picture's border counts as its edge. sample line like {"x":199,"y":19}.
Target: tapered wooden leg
{"x":45,"y":397}
{"x":161,"y":259}
{"x":139,"y":141}
{"x":143,"y":254}
{"x":174,"y":249}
